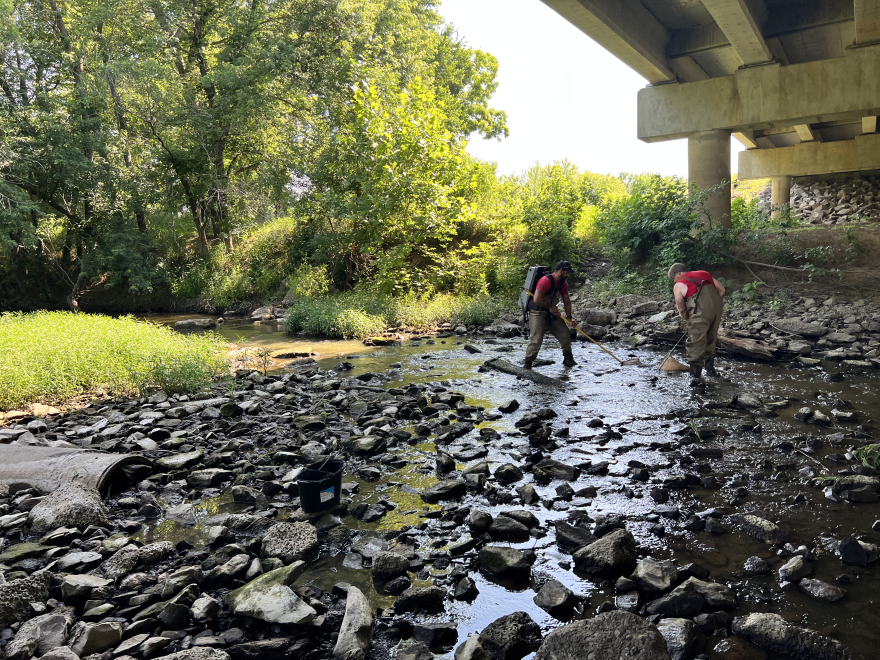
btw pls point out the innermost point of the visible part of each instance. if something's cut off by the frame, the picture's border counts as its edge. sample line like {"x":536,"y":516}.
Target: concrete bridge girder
{"x":771,"y":73}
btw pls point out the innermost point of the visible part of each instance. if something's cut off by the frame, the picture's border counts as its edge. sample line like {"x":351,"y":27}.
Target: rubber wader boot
{"x":568,"y":360}
{"x":709,"y":365}
{"x":527,"y":365}
{"x":696,"y":375}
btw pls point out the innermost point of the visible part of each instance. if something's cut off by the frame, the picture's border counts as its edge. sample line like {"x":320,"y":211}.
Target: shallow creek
{"x":646,"y":407}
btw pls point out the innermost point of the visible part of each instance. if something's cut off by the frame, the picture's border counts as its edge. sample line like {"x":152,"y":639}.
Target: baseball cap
{"x":564,"y":265}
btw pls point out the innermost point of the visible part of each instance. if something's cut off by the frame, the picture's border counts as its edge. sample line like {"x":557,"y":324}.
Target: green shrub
{"x":54,"y":356}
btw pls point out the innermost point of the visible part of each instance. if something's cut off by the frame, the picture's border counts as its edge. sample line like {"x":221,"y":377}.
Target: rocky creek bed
{"x":617,"y":515}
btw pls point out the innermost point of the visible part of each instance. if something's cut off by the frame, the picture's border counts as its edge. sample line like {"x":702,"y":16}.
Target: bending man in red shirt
{"x":698,"y":297}
{"x":548,"y":293}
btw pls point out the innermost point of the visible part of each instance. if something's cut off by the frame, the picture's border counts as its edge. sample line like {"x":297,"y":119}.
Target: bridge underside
{"x":795,"y":81}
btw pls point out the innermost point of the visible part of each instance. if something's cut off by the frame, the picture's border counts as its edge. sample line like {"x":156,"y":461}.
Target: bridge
{"x":795,"y":81}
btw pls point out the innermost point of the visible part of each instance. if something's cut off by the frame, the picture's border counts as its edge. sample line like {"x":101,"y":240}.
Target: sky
{"x":564,"y":95}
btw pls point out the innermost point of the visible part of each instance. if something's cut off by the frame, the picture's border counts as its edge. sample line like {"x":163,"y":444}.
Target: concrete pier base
{"x":780,"y":194}
{"x":709,"y":169}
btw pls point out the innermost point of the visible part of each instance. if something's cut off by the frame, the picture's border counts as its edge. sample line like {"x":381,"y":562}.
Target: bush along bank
{"x":92,"y":585}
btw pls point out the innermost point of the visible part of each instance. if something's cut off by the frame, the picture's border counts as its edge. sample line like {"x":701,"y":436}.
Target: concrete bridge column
{"x":780,"y":194}
{"x":709,"y":167}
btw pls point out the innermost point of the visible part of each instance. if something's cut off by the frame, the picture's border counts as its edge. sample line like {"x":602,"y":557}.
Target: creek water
{"x":650,"y":409}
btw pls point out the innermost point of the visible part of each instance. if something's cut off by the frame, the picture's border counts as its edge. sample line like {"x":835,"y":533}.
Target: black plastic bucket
{"x":320,"y":485}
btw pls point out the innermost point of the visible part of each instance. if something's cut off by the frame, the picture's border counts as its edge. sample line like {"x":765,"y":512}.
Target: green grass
{"x":359,"y":314}
{"x":51,"y":357}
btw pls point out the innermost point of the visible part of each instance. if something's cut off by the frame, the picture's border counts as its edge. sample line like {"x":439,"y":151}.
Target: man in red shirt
{"x":698,"y":297}
{"x":543,"y":313}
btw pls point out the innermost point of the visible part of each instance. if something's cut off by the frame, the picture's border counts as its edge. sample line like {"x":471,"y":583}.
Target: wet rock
{"x":17,"y":595}
{"x":508,"y":529}
{"x":436,"y":634}
{"x":290,"y":542}
{"x":549,"y":469}
{"x":822,"y":590}
{"x":681,"y":603}
{"x":504,"y":562}
{"x":736,"y":648}
{"x":357,"y":627}
{"x":270,"y":598}
{"x":222,"y":575}
{"x":852,"y":552}
{"x":445,"y":463}
{"x":794,"y":569}
{"x":369,"y":545}
{"x":773,"y":633}
{"x":88,"y":638}
{"x":608,"y":636}
{"x":420,"y":599}
{"x":508,"y":473}
{"x":528,"y":494}
{"x":71,"y":505}
{"x":398,"y":585}
{"x":445,"y":490}
{"x":610,"y":555}
{"x":654,"y":577}
{"x":389,"y":565}
{"x":681,"y":637}
{"x":758,"y":528}
{"x":756,"y":566}
{"x":509,"y":407}
{"x":570,"y":538}
{"x":717,"y":596}
{"x":183,"y":513}
{"x":417,"y":651}
{"x":512,"y":637}
{"x":479,"y":522}
{"x":465,"y":589}
{"x":554,"y":598}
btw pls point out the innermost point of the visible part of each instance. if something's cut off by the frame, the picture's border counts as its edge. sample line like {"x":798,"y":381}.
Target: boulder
{"x":357,"y":627}
{"x":181,"y":461}
{"x":554,"y":597}
{"x":71,"y":505}
{"x":508,"y":473}
{"x":444,"y":490}
{"x":758,"y":528}
{"x":801,"y":328}
{"x":549,"y":469}
{"x":504,"y":562}
{"x":121,"y":563}
{"x":655,"y":577}
{"x":613,"y":554}
{"x":79,"y":587}
{"x":512,"y":637}
{"x":89,"y":638}
{"x":508,"y":529}
{"x":608,"y":636}
{"x":822,"y":590}
{"x":195,"y":324}
{"x":389,"y":565}
{"x":290,"y":542}
{"x":681,"y":637}
{"x":773,"y":633}
{"x":38,"y":636}
{"x":16,"y":597}
{"x":270,"y":598}
{"x":420,"y":599}
{"x":197,"y":653}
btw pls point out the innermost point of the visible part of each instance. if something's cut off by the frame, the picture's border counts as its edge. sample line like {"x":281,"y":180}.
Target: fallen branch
{"x":509,"y":368}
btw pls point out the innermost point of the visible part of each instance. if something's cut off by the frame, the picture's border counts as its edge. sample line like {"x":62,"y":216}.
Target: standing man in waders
{"x":698,"y":297}
{"x":543,"y":312}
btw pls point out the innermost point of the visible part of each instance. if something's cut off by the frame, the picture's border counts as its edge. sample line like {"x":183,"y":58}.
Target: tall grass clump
{"x":52,"y":357}
{"x":364,"y":313}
